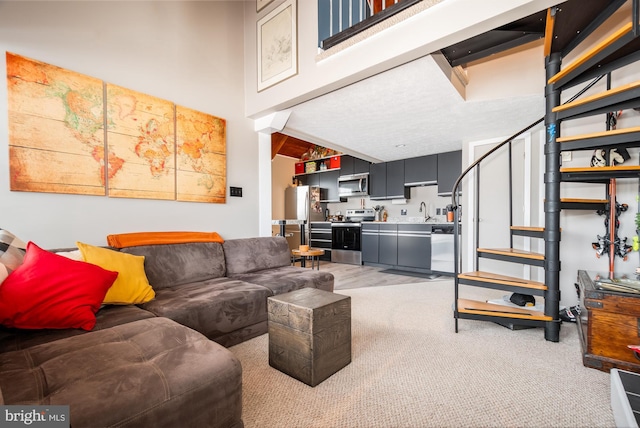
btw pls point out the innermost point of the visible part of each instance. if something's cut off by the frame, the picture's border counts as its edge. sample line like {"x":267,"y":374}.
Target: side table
{"x":309,"y":334}
{"x":312,"y":253}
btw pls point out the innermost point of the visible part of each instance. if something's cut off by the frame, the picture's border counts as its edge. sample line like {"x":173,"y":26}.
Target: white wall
{"x":515,"y":72}
{"x":428,"y":31}
{"x":186,"y":52}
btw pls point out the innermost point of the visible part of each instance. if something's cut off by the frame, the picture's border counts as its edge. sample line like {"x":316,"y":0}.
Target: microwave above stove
{"x":353,"y":185}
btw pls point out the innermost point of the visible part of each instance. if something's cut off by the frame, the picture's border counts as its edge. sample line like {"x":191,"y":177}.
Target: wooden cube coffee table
{"x":309,"y":334}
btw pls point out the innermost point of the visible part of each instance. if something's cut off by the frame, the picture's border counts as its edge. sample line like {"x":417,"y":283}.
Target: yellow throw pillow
{"x":132,"y":285}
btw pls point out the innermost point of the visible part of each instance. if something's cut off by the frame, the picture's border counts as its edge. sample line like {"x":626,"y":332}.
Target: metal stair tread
{"x":513,"y":252}
{"x":583,"y":204}
{"x":597,"y":97}
{"x":597,"y":169}
{"x":502,"y":279}
{"x":491,"y":309}
{"x":528,"y":228}
{"x":602,"y":134}
{"x":584,"y":201}
{"x":592,"y":53}
{"x":527,"y":231}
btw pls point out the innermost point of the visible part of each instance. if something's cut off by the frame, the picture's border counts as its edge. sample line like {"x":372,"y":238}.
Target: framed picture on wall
{"x":277,"y":45}
{"x":261,"y":4}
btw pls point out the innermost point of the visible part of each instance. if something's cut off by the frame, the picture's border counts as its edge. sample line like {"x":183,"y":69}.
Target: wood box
{"x":608,"y":323}
{"x":309,"y":334}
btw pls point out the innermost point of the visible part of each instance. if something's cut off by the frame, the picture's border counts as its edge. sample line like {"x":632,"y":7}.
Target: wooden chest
{"x":608,"y":323}
{"x":309,"y":334}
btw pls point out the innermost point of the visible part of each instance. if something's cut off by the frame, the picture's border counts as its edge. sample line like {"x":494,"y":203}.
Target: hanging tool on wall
{"x":611,"y":243}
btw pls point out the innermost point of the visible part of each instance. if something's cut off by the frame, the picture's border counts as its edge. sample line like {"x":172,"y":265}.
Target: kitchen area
{"x":391,"y":215}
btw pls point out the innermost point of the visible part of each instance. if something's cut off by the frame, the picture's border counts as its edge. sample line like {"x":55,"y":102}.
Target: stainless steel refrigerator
{"x":301,"y":203}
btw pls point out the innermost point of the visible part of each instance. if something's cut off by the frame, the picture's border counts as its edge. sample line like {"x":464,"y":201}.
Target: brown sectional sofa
{"x":162,"y":363}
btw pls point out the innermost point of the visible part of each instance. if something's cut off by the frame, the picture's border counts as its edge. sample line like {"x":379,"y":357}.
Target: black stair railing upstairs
{"x":455,"y":203}
{"x":339,"y":20}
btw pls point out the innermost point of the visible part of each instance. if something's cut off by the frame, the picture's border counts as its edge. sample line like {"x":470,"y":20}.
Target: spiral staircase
{"x":567,"y":26}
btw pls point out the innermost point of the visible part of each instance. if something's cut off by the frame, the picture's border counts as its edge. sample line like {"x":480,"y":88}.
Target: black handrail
{"x":454,"y":194}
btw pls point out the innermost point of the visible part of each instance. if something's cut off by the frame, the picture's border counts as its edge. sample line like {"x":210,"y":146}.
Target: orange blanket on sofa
{"x":124,"y":240}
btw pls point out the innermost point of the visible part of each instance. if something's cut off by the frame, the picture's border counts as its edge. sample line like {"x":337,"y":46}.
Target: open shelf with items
{"x":318,"y":165}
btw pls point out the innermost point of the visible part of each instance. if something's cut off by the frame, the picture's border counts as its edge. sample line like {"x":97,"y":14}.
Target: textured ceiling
{"x":415,"y":105}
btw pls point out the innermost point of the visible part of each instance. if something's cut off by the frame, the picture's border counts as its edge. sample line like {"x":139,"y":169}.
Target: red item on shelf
{"x":299,"y":167}
{"x":334,"y":162}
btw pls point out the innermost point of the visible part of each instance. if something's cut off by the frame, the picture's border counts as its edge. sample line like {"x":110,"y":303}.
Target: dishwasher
{"x":442,"y":250}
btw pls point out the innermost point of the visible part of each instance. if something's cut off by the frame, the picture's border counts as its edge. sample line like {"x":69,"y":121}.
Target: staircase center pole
{"x":552,"y":202}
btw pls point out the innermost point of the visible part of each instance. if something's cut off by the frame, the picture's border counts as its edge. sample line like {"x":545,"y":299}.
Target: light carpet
{"x":410,"y":369}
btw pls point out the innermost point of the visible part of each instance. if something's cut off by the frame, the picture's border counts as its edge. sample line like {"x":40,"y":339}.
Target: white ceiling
{"x":415,"y":105}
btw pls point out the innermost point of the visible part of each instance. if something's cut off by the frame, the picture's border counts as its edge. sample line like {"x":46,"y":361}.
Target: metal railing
{"x":455,"y":203}
{"x":339,"y":20}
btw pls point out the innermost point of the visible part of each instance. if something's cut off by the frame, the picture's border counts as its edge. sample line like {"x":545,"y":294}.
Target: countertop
{"x":430,"y":223}
{"x":287,"y":221}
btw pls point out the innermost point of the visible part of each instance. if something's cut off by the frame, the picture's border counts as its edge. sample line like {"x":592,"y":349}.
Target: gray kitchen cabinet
{"x":320,"y":237}
{"x":312,"y":179}
{"x":378,"y":181}
{"x":386,"y":181}
{"x":395,"y":180}
{"x":414,"y":245}
{"x":350,"y":165}
{"x":421,"y":171}
{"x":449,"y":169}
{"x":370,"y":241}
{"x":388,"y":244}
{"x":326,"y":180}
{"x":329,"y":180}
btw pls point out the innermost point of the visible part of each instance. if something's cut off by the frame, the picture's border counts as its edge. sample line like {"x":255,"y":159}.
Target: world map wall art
{"x":71,"y":133}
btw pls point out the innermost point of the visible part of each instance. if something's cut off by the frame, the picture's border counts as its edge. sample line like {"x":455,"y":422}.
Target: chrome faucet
{"x":422,"y":204}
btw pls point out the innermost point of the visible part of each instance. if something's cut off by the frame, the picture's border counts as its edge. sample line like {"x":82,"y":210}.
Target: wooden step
{"x":529,"y":231}
{"x":619,"y":98}
{"x":614,"y":137}
{"x":502,"y":282}
{"x":466,"y":306}
{"x":512,"y":255}
{"x":596,"y":54}
{"x":599,"y":173}
{"x":583,"y":204}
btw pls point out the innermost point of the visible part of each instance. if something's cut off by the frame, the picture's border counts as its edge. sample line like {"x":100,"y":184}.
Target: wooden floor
{"x":353,"y":276}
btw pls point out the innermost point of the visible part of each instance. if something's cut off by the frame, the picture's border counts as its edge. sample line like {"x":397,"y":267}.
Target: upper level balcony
{"x":338,"y":20}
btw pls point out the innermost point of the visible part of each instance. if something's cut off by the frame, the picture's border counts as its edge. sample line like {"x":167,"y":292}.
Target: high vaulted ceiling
{"x":415,"y":110}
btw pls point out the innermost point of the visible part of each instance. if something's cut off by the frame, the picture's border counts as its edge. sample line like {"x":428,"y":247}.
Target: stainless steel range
{"x":345,"y":236}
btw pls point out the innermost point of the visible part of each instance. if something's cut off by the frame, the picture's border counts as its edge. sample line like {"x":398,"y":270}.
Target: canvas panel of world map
{"x":59,"y":138}
{"x":56,"y":134}
{"x":201,"y":156}
{"x":141,"y":143}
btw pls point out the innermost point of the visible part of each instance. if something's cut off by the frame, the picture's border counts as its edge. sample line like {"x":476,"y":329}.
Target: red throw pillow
{"x":52,"y":291}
